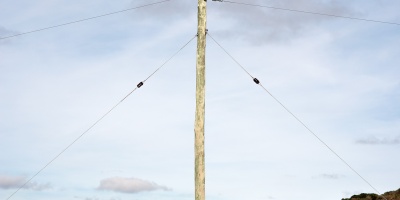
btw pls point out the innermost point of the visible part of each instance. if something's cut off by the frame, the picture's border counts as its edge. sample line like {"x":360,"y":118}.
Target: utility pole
{"x":200,"y":101}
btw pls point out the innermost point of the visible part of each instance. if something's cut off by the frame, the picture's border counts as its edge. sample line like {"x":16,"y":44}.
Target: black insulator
{"x":256,"y":81}
{"x":140,"y":84}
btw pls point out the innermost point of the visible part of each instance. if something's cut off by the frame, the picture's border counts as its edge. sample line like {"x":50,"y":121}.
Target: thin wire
{"x":86,"y":19}
{"x":302,"y":123}
{"x":87,"y":130}
{"x":230,"y":56}
{"x":73,"y":142}
{"x":169,"y":58}
{"x":314,"y":13}
{"x":326,"y":145}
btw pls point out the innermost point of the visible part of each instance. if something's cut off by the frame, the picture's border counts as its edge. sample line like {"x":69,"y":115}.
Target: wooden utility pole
{"x":200,"y":101}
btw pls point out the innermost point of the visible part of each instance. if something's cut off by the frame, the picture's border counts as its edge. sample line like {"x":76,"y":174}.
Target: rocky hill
{"x":392,"y":195}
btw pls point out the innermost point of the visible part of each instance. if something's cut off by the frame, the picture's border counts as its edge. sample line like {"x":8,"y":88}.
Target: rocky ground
{"x":392,"y":195}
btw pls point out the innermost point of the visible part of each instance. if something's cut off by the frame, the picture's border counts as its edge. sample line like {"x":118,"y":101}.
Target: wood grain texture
{"x":200,"y":102}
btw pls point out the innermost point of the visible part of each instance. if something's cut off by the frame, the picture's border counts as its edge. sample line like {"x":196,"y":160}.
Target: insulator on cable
{"x":140,"y":84}
{"x":256,"y":81}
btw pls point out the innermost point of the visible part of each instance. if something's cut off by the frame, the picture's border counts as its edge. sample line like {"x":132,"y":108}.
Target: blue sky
{"x":340,"y":76}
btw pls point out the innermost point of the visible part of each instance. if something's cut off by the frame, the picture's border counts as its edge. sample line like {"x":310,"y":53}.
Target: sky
{"x":339,"y":76}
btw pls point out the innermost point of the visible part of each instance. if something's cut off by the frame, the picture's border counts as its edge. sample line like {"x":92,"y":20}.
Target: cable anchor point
{"x":206,"y":31}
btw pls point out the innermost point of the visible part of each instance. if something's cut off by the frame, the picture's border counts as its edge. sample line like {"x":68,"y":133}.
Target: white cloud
{"x":129,"y":185}
{"x":329,"y":176}
{"x":249,"y":22}
{"x":260,"y":24}
{"x":338,"y":80}
{"x":376,"y":141}
{"x":166,"y":11}
{"x":13,"y":182}
{"x":97,"y":198}
{"x":5,"y":32}
{"x":8,"y":182}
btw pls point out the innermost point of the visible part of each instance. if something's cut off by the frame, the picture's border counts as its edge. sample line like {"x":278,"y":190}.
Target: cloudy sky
{"x":340,"y":76}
